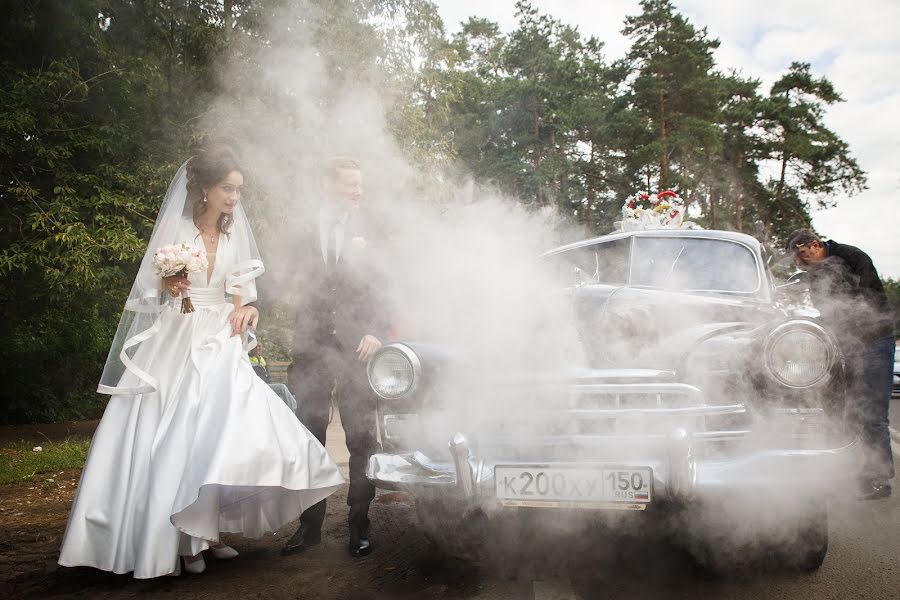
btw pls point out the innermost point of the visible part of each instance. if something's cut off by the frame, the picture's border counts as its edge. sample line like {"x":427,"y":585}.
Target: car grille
{"x":563,"y":421}
{"x":575,"y":422}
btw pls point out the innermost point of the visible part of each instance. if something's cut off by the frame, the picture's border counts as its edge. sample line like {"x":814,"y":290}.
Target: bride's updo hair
{"x":210,"y":165}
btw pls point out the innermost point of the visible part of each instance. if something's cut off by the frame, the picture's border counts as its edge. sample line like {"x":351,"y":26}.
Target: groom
{"x":340,"y":322}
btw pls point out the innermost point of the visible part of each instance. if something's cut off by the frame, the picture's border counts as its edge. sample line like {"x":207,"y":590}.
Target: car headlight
{"x":799,"y":354}
{"x":394,"y":371}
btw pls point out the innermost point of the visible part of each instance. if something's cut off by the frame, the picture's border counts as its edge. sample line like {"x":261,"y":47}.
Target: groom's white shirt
{"x":332,"y":226}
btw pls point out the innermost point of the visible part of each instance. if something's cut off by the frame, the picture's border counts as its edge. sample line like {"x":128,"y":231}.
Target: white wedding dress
{"x":212,"y":450}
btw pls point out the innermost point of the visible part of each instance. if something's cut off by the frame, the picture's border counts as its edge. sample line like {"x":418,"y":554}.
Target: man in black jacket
{"x":340,"y":322}
{"x":846,"y":289}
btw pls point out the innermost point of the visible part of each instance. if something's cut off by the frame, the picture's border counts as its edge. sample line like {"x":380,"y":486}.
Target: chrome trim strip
{"x":587,"y":439}
{"x":634,"y":388}
{"x":721,"y":436}
{"x":702,"y":410}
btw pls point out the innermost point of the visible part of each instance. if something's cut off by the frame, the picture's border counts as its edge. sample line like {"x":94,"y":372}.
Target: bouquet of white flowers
{"x":180,"y":259}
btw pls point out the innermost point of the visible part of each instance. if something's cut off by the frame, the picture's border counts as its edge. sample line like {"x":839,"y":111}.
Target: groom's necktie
{"x":328,"y":233}
{"x":332,"y":232}
{"x":332,"y":248}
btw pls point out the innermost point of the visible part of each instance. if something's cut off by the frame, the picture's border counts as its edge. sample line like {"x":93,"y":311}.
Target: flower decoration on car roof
{"x":664,"y":210}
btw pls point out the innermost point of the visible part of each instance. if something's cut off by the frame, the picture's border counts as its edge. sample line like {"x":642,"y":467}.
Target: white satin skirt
{"x":213,"y":450}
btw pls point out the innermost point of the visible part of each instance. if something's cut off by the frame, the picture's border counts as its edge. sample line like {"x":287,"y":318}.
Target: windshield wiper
{"x":672,"y":268}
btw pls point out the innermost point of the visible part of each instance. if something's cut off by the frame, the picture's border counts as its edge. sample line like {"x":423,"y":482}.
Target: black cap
{"x":800,"y":237}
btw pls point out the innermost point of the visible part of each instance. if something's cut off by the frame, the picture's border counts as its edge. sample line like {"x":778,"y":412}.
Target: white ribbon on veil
{"x":140,"y":319}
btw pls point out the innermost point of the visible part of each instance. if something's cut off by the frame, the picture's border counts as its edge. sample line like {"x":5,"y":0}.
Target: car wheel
{"x":744,"y":546}
{"x":806,"y":552}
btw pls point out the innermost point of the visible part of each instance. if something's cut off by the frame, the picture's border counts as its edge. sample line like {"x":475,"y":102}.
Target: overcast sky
{"x":852,"y":43}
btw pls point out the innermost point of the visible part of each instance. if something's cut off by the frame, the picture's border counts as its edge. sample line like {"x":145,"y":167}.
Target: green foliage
{"x":527,"y":112}
{"x":541,"y":115}
{"x":101,"y":100}
{"x":674,"y":91}
{"x":99,"y":103}
{"x":80,"y":186}
{"x":19,"y":463}
{"x":813,"y":160}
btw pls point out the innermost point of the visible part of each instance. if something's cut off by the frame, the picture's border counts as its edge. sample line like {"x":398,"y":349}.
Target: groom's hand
{"x":367,"y":347}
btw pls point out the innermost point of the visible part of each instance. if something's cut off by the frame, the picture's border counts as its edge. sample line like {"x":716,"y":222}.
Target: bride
{"x":192,"y":442}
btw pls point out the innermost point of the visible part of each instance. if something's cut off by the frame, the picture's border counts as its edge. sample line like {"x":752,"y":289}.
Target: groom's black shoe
{"x":303,"y":539}
{"x":359,"y":544}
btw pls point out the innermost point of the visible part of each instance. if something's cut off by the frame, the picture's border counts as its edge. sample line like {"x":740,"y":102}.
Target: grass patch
{"x":18,"y":462}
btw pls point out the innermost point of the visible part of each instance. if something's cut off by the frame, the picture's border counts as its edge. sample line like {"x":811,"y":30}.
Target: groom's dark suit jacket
{"x":337,"y":304}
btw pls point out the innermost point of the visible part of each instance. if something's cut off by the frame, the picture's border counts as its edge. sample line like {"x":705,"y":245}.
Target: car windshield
{"x":693,"y":264}
{"x":605,"y":262}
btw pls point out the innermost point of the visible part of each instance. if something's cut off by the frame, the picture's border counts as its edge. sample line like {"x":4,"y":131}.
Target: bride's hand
{"x":175,"y":284}
{"x":243,"y":317}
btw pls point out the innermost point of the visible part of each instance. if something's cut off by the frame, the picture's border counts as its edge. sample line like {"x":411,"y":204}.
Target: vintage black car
{"x":702,"y":395}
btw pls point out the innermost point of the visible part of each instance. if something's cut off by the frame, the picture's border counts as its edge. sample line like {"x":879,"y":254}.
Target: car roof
{"x":734,"y":236}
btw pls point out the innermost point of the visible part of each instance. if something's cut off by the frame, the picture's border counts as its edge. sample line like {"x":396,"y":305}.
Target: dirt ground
{"x":33,"y":519}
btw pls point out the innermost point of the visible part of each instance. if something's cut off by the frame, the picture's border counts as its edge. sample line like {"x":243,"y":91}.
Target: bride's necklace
{"x":211,"y":237}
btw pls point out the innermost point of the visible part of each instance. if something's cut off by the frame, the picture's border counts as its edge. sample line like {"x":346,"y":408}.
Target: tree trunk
{"x":779,"y":191}
{"x":591,"y":186}
{"x":181,"y":31}
{"x":536,"y":158}
{"x":227,"y":18}
{"x":739,"y":202}
{"x":712,"y":208}
{"x":170,"y":64}
{"x":663,"y":136}
{"x":779,"y":196}
{"x":562,"y":180}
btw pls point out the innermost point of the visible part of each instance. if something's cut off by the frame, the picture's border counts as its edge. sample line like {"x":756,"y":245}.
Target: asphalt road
{"x":863,"y":561}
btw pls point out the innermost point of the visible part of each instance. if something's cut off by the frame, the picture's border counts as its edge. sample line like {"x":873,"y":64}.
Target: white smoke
{"x":461,"y":270}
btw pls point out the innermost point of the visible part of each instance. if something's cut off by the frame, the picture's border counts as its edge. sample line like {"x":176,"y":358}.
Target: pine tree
{"x":813,"y":162}
{"x":673,"y":91}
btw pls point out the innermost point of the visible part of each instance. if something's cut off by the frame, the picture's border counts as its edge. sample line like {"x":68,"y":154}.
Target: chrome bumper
{"x":678,"y":473}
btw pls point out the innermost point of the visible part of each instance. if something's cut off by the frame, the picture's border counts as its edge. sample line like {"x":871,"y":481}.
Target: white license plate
{"x":623,"y":488}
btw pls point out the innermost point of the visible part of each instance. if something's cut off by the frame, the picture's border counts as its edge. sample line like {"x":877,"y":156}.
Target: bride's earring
{"x":204,"y":196}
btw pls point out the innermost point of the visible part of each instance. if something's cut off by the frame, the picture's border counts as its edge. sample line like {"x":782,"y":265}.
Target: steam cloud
{"x":461,"y":270}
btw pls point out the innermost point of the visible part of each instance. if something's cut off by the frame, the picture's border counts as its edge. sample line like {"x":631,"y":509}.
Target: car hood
{"x":622,"y":327}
